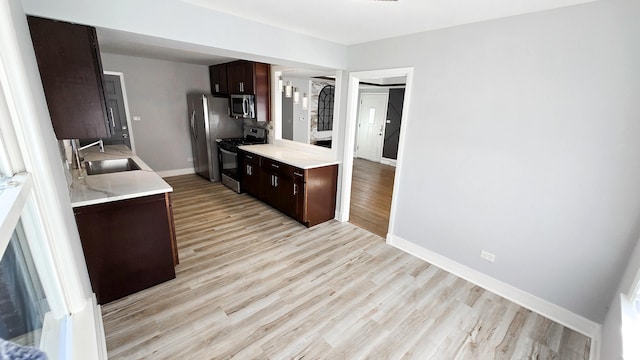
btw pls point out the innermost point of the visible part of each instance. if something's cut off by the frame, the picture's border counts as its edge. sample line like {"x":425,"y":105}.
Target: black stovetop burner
{"x":231,"y":144}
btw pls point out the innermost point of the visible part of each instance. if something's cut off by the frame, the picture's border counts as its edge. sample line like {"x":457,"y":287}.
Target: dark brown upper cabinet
{"x":218,"y":78}
{"x":244,"y":77}
{"x":241,"y":75}
{"x":71,"y":72}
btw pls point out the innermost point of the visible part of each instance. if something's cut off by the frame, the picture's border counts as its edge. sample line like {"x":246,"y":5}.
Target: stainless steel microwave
{"x":243,"y":106}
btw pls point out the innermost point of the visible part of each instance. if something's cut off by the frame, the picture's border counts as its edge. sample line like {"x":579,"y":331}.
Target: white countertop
{"x":289,"y":155}
{"x":98,"y":189}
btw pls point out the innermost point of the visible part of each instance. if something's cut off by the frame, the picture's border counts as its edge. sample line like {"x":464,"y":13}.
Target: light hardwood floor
{"x":254,"y":284}
{"x":371,"y":191}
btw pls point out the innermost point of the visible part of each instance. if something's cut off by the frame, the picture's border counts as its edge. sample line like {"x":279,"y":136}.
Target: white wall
{"x":523,"y":141}
{"x":157,"y":93}
{"x":197,"y":29}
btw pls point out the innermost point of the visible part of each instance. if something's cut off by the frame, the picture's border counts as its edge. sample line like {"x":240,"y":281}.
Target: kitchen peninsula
{"x":301,"y":184}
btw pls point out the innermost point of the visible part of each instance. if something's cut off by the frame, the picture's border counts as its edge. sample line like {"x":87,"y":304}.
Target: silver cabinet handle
{"x":217,"y":86}
{"x":298,"y":174}
{"x":275,"y":166}
{"x":248,"y":156}
{"x":275,"y":178}
{"x":295,"y":189}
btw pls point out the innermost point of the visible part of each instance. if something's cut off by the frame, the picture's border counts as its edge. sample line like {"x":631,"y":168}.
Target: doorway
{"x":118,"y":110}
{"x":352,"y":165}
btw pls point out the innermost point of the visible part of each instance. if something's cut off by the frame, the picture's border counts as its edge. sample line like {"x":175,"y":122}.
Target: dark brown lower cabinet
{"x":307,"y":195}
{"x":129,"y":245}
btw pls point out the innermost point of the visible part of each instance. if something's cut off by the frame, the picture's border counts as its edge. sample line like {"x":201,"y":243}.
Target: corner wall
{"x":157,"y":93}
{"x":524,"y":143}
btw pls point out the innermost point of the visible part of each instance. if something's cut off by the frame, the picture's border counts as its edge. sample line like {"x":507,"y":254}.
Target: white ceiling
{"x":355,"y":21}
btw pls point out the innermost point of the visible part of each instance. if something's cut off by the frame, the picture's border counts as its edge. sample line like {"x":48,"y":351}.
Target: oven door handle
{"x":228,"y":152}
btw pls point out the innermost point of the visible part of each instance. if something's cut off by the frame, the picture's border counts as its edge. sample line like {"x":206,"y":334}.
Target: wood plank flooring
{"x":254,"y":284}
{"x":371,"y":191}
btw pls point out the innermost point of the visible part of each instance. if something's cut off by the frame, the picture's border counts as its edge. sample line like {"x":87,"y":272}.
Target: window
{"x":325,"y":108}
{"x":23,"y":303}
{"x":39,"y":245}
{"x":24,"y":308}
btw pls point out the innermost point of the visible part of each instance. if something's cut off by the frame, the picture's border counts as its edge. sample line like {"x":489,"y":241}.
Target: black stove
{"x":231,"y":144}
{"x":252,"y":135}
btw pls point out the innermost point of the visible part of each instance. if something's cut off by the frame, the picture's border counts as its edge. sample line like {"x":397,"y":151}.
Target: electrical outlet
{"x":487,"y":256}
{"x":137,"y":118}
{"x":190,"y":159}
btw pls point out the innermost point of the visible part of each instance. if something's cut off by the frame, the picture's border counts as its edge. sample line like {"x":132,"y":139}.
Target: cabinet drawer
{"x":249,"y":158}
{"x":298,"y":174}
{"x":278,"y":167}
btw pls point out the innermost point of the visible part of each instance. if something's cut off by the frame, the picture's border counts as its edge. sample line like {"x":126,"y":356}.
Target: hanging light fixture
{"x":305,"y":101}
{"x":280,"y":84}
{"x":288,"y":89}
{"x":296,"y":96}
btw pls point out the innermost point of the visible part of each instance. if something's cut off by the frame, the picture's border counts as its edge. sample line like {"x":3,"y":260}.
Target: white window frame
{"x":73,"y":327}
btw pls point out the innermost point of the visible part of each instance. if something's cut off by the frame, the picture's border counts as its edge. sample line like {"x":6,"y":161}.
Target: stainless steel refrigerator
{"x":209,"y":120}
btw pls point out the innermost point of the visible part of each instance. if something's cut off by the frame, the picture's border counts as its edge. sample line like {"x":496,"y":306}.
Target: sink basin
{"x":110,"y":166}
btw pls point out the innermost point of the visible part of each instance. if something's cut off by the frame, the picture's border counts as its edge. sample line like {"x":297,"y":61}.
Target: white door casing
{"x":350,"y":137}
{"x":126,"y":106}
{"x":371,"y":123}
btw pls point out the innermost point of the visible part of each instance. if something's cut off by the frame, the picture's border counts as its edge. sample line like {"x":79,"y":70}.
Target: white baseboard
{"x":388,"y":161}
{"x":176,"y":172}
{"x":522,"y":298}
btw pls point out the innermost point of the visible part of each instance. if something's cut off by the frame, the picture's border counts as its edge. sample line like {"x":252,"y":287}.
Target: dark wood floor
{"x":371,"y":192}
{"x":254,"y":284}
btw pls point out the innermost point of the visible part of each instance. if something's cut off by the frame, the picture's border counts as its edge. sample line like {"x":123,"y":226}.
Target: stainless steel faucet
{"x":76,"y":149}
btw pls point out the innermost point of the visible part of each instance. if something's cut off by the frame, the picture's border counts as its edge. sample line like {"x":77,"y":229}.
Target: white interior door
{"x":371,"y":120}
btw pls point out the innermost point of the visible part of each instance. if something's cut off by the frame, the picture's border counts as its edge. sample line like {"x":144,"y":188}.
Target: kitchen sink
{"x":110,"y":166}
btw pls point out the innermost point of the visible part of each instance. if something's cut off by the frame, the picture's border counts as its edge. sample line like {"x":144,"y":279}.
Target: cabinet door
{"x":71,"y":72}
{"x":240,"y":75}
{"x":280,"y":186}
{"x":126,"y":244}
{"x":251,"y":180}
{"x":250,"y":174}
{"x":262,"y":88}
{"x":298,"y":209}
{"x":218,"y":77}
